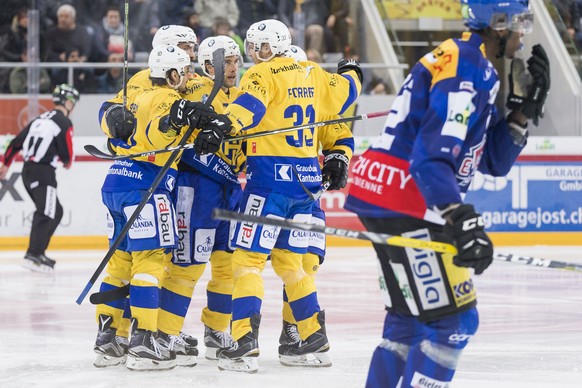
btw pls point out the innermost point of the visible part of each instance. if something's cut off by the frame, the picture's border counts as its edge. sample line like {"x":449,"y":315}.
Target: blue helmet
{"x":514,"y":15}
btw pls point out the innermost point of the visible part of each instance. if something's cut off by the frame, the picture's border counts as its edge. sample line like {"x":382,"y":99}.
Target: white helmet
{"x":270,"y":31}
{"x":209,"y":45}
{"x":296,"y":53}
{"x":174,"y":35}
{"x":167,"y":57}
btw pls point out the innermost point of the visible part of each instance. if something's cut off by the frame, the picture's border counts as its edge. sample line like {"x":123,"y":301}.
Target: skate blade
{"x":312,"y":360}
{"x":243,"y":364}
{"x":146,"y":364}
{"x":210,"y":354}
{"x":186,"y":361}
{"x":36,"y":267}
{"x":104,"y":360}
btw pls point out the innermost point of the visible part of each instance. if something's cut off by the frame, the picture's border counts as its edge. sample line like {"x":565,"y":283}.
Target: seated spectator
{"x":192,"y":20}
{"x":221,"y":26}
{"x":13,"y":44}
{"x":18,"y":81}
{"x":109,"y":37}
{"x":172,"y":11}
{"x":66,"y":36}
{"x":253,"y":11}
{"x":339,"y":23}
{"x":144,"y":22}
{"x":209,"y":10}
{"x":316,"y":13}
{"x":314,"y":56}
{"x":111,"y":81}
{"x":83,"y":78}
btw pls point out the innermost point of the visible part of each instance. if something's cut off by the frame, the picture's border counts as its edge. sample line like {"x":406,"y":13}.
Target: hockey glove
{"x":335,"y":170}
{"x":528,"y":94}
{"x":210,"y":138}
{"x":193,"y":114}
{"x":120,"y":121}
{"x":466,"y":228}
{"x":350,"y":64}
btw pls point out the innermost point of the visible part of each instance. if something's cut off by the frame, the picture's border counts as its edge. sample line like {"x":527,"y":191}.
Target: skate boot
{"x":242,"y":355}
{"x":186,"y":354}
{"x":111,"y":349}
{"x":38,"y":263}
{"x":311,"y":353}
{"x":189,"y":339}
{"x":214,"y":340}
{"x":289,"y":334}
{"x":145,"y":352}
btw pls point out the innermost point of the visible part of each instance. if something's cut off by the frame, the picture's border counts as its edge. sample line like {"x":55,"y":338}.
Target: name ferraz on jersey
{"x":225,"y":165}
{"x":293,"y":95}
{"x":442,"y":127}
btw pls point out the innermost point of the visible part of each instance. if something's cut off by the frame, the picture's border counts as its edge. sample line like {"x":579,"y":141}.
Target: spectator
{"x":221,"y":26}
{"x":317,"y":35}
{"x":172,"y":11}
{"x":314,"y":56}
{"x":109,"y":36}
{"x":83,"y":78}
{"x":112,"y":80}
{"x":253,"y":10}
{"x":210,"y":10}
{"x":144,"y":22}
{"x":66,"y":36}
{"x":13,"y":44}
{"x":18,"y":81}
{"x":339,"y":23}
{"x":192,"y":20}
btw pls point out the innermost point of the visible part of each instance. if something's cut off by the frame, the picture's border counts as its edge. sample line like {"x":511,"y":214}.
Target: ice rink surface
{"x":530,"y":333}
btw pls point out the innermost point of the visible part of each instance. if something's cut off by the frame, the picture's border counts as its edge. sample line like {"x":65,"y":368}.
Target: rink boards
{"x":538,"y":202}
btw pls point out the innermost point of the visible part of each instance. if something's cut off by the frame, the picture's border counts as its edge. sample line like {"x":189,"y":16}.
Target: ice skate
{"x":189,"y":339}
{"x":242,"y":355}
{"x":186,"y":354}
{"x":146,"y":353}
{"x":309,"y":353}
{"x":111,"y":349}
{"x":38,"y":263}
{"x":214,"y":340}
{"x":289,"y":334}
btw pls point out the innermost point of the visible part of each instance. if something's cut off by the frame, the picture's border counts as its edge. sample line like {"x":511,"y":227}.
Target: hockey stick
{"x":314,"y":196}
{"x":379,"y":238}
{"x":125,"y":54}
{"x":218,"y":60}
{"x":96,"y":152}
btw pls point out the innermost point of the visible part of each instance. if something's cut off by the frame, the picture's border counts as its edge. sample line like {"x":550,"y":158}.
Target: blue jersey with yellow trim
{"x":135,"y":174}
{"x":225,"y":165}
{"x":292,"y":94}
{"x":443,"y":125}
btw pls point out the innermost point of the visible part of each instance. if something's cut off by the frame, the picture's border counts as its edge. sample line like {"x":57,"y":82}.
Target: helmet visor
{"x":519,"y":22}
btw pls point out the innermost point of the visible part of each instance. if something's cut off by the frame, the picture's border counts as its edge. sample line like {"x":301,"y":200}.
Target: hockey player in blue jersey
{"x":411,"y":182}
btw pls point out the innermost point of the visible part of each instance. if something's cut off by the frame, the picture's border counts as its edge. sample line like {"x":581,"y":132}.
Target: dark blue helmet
{"x":513,"y":15}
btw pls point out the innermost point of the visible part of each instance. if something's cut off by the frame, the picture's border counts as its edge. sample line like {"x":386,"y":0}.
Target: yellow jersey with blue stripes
{"x":282,"y":93}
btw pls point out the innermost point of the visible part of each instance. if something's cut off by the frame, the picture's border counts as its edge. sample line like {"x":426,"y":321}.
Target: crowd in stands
{"x":94,"y":31}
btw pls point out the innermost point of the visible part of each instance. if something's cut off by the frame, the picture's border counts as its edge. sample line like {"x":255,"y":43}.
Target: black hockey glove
{"x":193,"y":114}
{"x":210,"y":138}
{"x":335,"y":170}
{"x":350,"y":64}
{"x":465,"y":227}
{"x":121,"y":124}
{"x":529,"y":95}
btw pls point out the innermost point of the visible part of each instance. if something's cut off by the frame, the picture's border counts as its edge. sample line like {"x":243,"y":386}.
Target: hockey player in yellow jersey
{"x":275,"y":93}
{"x":162,"y":119}
{"x":337,"y":144}
{"x":118,"y":124}
{"x":203,"y":183}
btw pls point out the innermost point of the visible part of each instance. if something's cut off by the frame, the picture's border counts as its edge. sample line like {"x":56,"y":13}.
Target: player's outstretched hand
{"x":466,"y":228}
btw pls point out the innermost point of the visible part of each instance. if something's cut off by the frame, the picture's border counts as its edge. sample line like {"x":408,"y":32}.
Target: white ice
{"x":530,"y":333}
